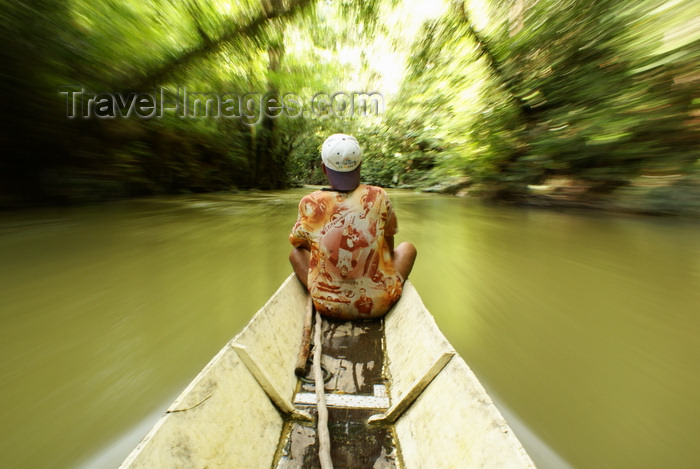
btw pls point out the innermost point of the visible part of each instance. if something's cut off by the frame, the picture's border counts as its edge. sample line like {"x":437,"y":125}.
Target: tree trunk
{"x":211,"y":46}
{"x":269,"y":164}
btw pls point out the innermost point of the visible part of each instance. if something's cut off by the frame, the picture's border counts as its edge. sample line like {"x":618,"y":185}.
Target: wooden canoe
{"x":248,"y":409}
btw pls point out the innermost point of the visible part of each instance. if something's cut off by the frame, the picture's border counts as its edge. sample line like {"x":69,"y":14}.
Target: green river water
{"x":583,"y":327}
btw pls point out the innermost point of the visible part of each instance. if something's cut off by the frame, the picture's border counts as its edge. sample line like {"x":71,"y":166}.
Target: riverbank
{"x":656,"y":195}
{"x":672,"y":195}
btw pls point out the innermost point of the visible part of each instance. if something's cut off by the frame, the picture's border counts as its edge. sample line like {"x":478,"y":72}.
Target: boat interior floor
{"x":353,"y":366}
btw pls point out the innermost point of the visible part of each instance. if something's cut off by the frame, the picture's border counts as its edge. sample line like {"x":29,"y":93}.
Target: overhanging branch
{"x":250,"y":29}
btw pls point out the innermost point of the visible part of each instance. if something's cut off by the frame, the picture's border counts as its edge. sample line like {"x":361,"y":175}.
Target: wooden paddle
{"x":303,"y":355}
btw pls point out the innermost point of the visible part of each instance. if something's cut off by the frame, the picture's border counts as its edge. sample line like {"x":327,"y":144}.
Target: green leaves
{"x":500,"y":93}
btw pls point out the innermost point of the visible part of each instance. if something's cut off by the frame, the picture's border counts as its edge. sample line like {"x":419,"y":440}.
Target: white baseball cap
{"x":342,"y":156}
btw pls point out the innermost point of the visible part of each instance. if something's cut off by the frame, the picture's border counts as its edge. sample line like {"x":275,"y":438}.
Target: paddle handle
{"x":303,"y":355}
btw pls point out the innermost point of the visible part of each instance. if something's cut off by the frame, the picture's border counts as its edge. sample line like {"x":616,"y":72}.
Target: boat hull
{"x":453,"y":422}
{"x":234,"y":412}
{"x":224,"y":418}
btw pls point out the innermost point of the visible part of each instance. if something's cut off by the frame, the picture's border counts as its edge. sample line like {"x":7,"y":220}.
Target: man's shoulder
{"x":376,"y":193}
{"x":375,"y":189}
{"x":315,"y":195}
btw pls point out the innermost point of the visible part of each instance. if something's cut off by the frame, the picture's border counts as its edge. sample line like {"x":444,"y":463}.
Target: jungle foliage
{"x":511,"y":100}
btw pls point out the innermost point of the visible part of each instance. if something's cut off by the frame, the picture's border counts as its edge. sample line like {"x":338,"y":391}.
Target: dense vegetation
{"x":567,"y":101}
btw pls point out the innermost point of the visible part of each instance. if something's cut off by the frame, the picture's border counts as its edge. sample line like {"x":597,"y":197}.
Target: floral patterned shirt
{"x":351,"y":271}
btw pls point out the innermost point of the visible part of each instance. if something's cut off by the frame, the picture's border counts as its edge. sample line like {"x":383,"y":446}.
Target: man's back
{"x":351,"y":270}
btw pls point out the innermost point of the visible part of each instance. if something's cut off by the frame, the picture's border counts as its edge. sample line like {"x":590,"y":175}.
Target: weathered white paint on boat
{"x":453,"y":423}
{"x":224,"y":418}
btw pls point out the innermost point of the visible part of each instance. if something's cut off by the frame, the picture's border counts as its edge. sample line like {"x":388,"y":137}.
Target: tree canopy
{"x":508,"y":100}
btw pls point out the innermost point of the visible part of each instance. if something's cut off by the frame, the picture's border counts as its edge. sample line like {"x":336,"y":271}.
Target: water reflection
{"x":583,"y":326}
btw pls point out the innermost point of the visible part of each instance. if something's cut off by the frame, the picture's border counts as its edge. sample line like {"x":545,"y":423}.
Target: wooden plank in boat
{"x":355,"y":389}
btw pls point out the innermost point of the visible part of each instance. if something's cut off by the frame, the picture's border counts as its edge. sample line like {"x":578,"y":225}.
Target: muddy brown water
{"x":583,"y":327}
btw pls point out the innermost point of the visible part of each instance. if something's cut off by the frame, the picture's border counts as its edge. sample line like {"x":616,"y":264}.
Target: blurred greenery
{"x":565,"y":102}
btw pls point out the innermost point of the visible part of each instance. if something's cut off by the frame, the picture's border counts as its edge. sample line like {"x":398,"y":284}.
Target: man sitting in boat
{"x":344,"y":240}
